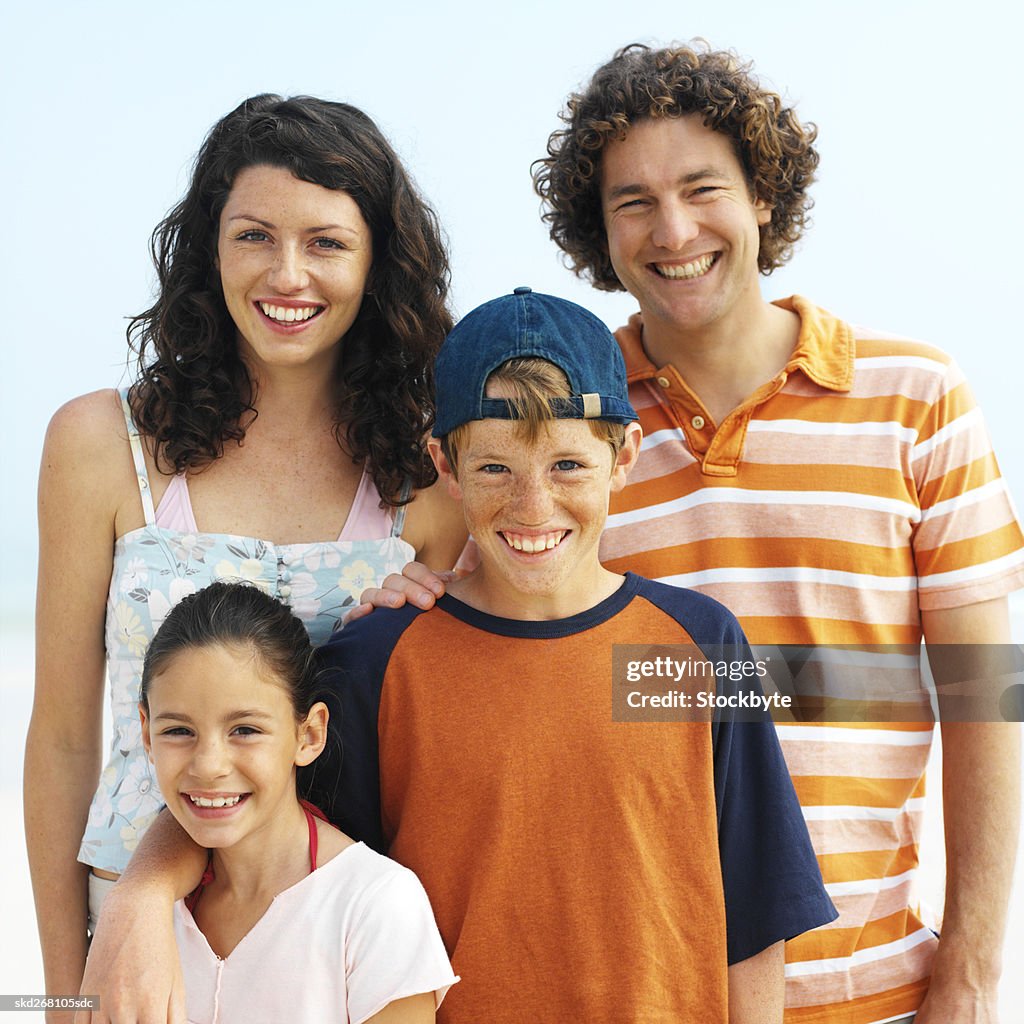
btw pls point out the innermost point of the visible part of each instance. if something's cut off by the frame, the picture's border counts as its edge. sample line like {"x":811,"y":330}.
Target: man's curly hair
{"x":775,"y":149}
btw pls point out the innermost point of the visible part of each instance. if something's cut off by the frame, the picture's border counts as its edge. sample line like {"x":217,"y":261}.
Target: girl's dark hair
{"x":238,"y":615}
{"x":241,"y":615}
{"x":193,"y":392}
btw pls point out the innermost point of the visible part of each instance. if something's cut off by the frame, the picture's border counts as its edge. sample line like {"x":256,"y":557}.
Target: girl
{"x":293,"y":920}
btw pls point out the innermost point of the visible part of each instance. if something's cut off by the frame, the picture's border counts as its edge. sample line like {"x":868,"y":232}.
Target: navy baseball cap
{"x":522,"y":325}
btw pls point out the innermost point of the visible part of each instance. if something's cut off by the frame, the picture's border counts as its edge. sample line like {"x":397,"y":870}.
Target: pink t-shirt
{"x":351,"y":937}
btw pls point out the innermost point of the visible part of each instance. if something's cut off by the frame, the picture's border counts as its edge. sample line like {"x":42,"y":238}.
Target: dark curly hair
{"x":194,"y":393}
{"x":775,"y":149}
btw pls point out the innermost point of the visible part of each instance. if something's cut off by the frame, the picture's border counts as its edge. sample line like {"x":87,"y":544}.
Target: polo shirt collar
{"x":825,"y":349}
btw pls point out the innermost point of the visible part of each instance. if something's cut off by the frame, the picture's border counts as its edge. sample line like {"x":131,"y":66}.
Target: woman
{"x":283,"y":394}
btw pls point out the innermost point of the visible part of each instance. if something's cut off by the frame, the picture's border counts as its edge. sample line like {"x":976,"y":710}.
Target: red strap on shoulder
{"x":312,"y":812}
{"x":193,"y":897}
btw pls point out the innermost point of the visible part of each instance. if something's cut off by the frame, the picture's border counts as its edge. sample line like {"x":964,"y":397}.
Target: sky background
{"x":916,"y":227}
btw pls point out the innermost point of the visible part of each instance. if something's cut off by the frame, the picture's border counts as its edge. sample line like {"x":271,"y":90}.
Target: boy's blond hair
{"x":529,"y":385}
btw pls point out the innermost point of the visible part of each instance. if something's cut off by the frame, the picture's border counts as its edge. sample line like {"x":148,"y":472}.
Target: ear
{"x":312,"y":734}
{"x":762,"y":211}
{"x":147,"y":743}
{"x":444,"y":470}
{"x":628,"y":454}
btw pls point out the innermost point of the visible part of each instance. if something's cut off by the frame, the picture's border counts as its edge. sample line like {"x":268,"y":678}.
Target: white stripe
{"x":743,"y":496}
{"x":792,"y":574}
{"x":892,"y":362}
{"x":881,"y":428}
{"x":975,"y":572}
{"x":660,"y":437}
{"x":837,"y":734}
{"x":852,"y":812}
{"x":969,"y":421}
{"x":863,"y":956}
{"x":869,"y":886}
{"x":992,"y":489}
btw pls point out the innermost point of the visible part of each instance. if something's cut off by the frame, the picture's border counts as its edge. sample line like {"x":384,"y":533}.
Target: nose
{"x":288,"y":273}
{"x":534,"y":502}
{"x":674,"y":226}
{"x":210,"y":760}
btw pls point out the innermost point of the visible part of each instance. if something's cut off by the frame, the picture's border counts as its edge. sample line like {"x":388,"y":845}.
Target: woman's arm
{"x":435,"y":527}
{"x":79,"y":483}
{"x":133,"y":962}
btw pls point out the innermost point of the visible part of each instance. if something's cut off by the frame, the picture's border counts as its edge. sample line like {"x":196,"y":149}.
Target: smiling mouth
{"x":686,"y":271}
{"x":289,"y":314}
{"x":532,"y":544}
{"x":216,"y":801}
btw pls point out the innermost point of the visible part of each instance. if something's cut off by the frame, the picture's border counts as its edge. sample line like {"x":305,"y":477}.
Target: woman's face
{"x":294,"y":259}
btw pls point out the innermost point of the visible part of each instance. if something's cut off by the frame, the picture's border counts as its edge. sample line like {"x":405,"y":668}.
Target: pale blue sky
{"x":915,"y":230}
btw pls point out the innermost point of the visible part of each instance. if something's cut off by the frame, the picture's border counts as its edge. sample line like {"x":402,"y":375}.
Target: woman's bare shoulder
{"x":87,"y":452}
{"x":88,"y":421}
{"x":435,"y":527}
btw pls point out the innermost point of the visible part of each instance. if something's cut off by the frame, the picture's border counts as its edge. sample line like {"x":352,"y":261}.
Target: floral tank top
{"x":154,"y":568}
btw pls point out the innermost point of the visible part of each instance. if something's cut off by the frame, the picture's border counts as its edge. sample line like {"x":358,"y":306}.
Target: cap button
{"x":522,"y":290}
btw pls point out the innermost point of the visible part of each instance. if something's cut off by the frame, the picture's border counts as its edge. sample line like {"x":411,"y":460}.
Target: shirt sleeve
{"x":770,"y":875}
{"x":968,"y":546}
{"x":394,"y":949}
{"x":344,"y":781}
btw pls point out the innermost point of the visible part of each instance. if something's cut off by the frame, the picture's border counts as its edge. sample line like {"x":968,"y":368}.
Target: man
{"x":828,"y":484}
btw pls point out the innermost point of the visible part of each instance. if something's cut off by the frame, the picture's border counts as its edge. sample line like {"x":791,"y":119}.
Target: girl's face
{"x":222,"y":734}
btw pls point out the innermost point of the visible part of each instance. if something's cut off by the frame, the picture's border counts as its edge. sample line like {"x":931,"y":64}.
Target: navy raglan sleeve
{"x":345,"y":780}
{"x":770,"y":875}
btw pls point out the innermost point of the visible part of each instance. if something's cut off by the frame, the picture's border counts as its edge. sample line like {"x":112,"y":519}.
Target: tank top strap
{"x":312,"y":812}
{"x":399,"y":523}
{"x":141,"y":473}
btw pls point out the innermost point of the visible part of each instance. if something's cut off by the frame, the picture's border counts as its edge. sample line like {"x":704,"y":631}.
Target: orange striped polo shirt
{"x":853,"y":490}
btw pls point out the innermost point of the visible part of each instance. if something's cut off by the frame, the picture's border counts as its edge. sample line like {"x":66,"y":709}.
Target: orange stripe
{"x":960,"y":480}
{"x":989,"y":546}
{"x":852,"y":867}
{"x":896,"y":1002}
{"x":840,"y":942}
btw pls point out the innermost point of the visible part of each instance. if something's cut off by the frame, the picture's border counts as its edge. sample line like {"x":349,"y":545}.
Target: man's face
{"x":682,"y":226}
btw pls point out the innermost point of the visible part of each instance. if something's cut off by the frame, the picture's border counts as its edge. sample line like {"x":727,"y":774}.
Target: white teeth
{"x":698,"y":268}
{"x":288,"y":314}
{"x":545,"y":542}
{"x":216,"y":801}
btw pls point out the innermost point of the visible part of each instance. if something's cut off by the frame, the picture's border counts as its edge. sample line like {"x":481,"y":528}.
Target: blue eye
{"x":567,"y":465}
{"x":493,"y":467}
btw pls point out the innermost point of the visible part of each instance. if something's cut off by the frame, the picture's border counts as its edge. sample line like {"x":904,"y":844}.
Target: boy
{"x":567,"y":856}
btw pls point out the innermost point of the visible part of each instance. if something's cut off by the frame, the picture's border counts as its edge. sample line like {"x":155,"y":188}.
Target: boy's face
{"x":537,"y":510}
